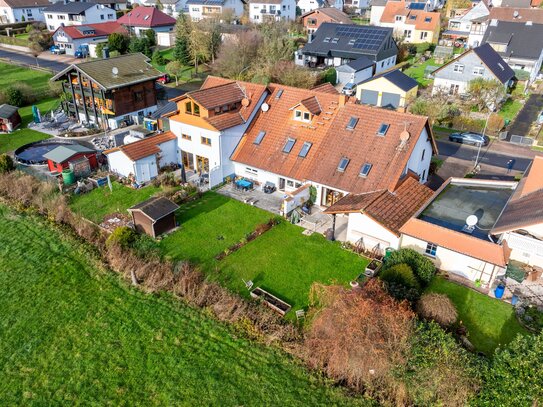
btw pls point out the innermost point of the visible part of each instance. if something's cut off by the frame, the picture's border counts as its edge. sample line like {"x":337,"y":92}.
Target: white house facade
{"x":261,"y":11}
{"x":59,"y":15}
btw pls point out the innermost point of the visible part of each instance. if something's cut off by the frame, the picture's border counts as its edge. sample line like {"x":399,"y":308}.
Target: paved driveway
{"x":527,"y":115}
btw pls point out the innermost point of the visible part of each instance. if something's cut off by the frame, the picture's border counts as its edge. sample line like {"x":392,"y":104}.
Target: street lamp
{"x":483,"y":140}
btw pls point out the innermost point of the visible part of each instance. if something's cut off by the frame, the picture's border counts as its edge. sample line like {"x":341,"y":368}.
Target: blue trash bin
{"x":498,"y":292}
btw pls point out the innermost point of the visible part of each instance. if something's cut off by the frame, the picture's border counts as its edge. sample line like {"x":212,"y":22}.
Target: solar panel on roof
{"x":417,"y":6}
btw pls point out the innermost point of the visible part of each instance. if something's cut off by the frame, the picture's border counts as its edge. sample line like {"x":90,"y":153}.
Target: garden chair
{"x":300,"y":314}
{"x":248,"y":284}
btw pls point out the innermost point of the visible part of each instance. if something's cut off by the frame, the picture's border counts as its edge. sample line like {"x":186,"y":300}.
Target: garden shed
{"x":60,"y":158}
{"x":9,"y":117}
{"x":154,"y":216}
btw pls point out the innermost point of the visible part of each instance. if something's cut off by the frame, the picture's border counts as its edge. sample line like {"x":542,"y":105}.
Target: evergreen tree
{"x":181,"y":51}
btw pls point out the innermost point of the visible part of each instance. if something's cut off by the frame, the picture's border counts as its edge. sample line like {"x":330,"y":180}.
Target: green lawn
{"x":168,"y":54}
{"x":510,"y":109}
{"x":210,"y":225}
{"x":490,"y":322}
{"x":37,"y":80}
{"x":416,"y":72}
{"x":23,"y":135}
{"x":71,"y":333}
{"x":100,"y":201}
{"x":286,"y":263}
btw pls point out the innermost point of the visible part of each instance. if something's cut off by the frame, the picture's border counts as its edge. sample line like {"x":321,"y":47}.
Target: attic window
{"x":412,"y":17}
{"x":327,"y":39}
{"x":279,"y":93}
{"x":428,"y":19}
{"x":365,"y":170}
{"x":343,"y":164}
{"x":146,"y":18}
{"x":288,"y":145}
{"x":305,"y":149}
{"x":259,"y":138}
{"x":383,"y":129}
{"x":352,"y":123}
{"x":302,"y":116}
{"x":352,"y":41}
{"x":335,"y":40}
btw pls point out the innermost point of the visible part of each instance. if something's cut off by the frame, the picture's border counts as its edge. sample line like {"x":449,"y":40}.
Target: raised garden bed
{"x":271,"y":301}
{"x":373,"y":267}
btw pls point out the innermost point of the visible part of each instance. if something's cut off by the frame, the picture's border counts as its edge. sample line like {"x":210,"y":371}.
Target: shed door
{"x":369,"y":97}
{"x":390,"y":100}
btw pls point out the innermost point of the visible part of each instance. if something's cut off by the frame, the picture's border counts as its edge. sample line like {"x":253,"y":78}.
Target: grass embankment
{"x":72,"y":333}
{"x":489,"y":322}
{"x":101,"y":202}
{"x":282,"y":260}
{"x":39,"y":81}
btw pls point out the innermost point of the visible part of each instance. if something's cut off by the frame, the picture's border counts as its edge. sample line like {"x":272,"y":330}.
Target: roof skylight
{"x":343,"y":164}
{"x":383,"y":129}
{"x":259,"y":137}
{"x":352,"y":123}
{"x":365,"y":170}
{"x":288,"y":145}
{"x":305,"y":149}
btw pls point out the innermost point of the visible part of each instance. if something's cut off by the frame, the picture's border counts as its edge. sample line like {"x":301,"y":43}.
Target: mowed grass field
{"x":71,"y":333}
{"x":37,"y":80}
{"x":490,"y":322}
{"x":101,"y":201}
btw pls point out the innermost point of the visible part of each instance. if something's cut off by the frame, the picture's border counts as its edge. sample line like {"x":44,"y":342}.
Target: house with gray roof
{"x":213,"y":9}
{"x":77,"y":13}
{"x":481,"y":62}
{"x":520,"y":44}
{"x":355,"y":71}
{"x":14,"y":11}
{"x":338,"y":44}
{"x":110,"y":92}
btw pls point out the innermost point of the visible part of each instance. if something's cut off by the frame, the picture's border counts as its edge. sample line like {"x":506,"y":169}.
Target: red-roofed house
{"x":71,"y":37}
{"x":142,"y":19}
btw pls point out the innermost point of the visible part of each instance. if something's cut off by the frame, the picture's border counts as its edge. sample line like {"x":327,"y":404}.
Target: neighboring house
{"x":338,"y":44}
{"x":142,"y":19}
{"x":392,"y":89}
{"x":9,"y":118}
{"x":214,"y":9}
{"x":412,"y":26}
{"x":469,"y":25}
{"x":314,"y":18}
{"x":154,"y":216}
{"x":144,"y":158}
{"x":519,"y":44}
{"x":210,"y":122}
{"x":117,"y":5}
{"x":375,"y":218}
{"x":60,"y":158}
{"x":517,"y":15}
{"x":453,"y":227}
{"x":361,"y":7}
{"x":110,"y":92}
{"x":14,"y":11}
{"x":320,"y":138}
{"x":377,"y":10}
{"x":77,"y":13}
{"x":70,"y":38}
{"x":355,"y":71}
{"x":171,"y":7}
{"x":512,"y":3}
{"x":261,"y":11}
{"x":306,"y":6}
{"x":521,"y":222}
{"x":481,"y":62}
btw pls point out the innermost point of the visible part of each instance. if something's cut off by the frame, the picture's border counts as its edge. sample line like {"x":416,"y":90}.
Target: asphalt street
{"x":30,"y":60}
{"x":489,"y":155}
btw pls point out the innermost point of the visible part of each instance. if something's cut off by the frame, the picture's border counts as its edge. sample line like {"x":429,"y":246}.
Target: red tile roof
{"x":390,"y":209}
{"x":146,"y":17}
{"x":456,"y":241}
{"x":100,"y":30}
{"x":522,"y":15}
{"x":331,"y":141}
{"x":145,"y":147}
{"x":422,"y":20}
{"x":326,"y":87}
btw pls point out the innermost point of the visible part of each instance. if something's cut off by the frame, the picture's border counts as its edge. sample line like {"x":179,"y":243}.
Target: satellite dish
{"x":265,"y":107}
{"x":245,"y":102}
{"x":515,"y":14}
{"x":115,"y":70}
{"x":404,"y":136}
{"x":471,"y":220}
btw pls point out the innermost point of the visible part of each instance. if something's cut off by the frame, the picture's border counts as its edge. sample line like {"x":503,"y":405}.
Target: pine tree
{"x":182,"y":31}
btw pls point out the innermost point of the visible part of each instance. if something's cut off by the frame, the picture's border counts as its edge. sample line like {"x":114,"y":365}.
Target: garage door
{"x":369,"y":97}
{"x":390,"y":100}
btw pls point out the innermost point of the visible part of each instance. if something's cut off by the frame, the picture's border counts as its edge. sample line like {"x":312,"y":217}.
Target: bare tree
{"x":237,"y":55}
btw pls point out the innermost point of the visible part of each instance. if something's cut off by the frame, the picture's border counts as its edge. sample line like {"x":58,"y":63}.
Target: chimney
{"x":342,"y":100}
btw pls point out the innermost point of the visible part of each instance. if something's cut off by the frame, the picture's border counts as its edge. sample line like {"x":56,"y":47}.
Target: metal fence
{"x":523,"y":141}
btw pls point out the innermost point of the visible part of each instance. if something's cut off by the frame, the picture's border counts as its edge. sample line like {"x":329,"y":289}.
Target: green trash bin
{"x":507,"y":121}
{"x":388,"y":252}
{"x":68,"y":177}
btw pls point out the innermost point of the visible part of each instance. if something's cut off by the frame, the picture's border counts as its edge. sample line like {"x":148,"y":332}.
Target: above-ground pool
{"x":32,"y":153}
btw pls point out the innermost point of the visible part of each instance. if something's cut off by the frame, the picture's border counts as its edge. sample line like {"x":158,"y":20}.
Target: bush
{"x":14,"y":96}
{"x":123,"y":237}
{"x":28,"y":28}
{"x":401,"y":282}
{"x":146,"y":247}
{"x":438,"y":308}
{"x":422,"y":267}
{"x":330,"y":76}
{"x":6,"y":164}
{"x":157,"y":58}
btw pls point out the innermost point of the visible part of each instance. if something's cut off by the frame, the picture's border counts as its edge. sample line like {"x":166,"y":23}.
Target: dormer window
{"x":302,"y":116}
{"x":192,"y":108}
{"x":343,"y":164}
{"x":289,"y":145}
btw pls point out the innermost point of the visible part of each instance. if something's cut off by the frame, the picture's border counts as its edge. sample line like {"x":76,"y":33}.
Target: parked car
{"x":349,"y":89}
{"x":469,"y":138}
{"x":82,"y":51}
{"x":164,"y":79}
{"x":55,"y":49}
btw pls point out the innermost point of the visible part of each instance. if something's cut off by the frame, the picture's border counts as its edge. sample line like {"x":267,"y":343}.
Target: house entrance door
{"x":202,"y":164}
{"x":187,"y":160}
{"x":282,"y":184}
